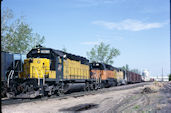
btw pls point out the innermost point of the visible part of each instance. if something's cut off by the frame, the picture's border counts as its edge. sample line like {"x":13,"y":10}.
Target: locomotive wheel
{"x":102,"y":85}
{"x":97,"y":86}
{"x":114,"y":83}
{"x":86,"y":88}
{"x":3,"y":89}
{"x":60,"y":92}
{"x":92,"y":86}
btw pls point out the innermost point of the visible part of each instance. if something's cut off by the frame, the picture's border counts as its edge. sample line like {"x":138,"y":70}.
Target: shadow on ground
{"x":81,"y":107}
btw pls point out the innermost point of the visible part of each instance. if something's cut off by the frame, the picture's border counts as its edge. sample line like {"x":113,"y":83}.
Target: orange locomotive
{"x":103,"y":73}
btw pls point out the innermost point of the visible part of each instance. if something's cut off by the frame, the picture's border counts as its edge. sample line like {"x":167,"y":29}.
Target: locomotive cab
{"x":96,"y":70}
{"x":40,"y":64}
{"x":103,"y":73}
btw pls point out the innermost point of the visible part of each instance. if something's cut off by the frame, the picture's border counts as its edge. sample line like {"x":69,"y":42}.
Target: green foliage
{"x":169,"y":77}
{"x":133,"y":70}
{"x":136,"y":71}
{"x":16,"y":35}
{"x":103,"y":53}
{"x":37,"y":40}
{"x":64,"y":49}
{"x":126,"y":67}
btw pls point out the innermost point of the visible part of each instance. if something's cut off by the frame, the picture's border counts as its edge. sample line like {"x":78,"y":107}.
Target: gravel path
{"x":129,"y":100}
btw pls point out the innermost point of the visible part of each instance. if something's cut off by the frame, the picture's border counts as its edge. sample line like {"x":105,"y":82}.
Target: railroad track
{"x":167,"y":86}
{"x":74,"y":94}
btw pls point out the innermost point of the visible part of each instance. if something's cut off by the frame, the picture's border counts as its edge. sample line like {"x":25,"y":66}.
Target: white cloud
{"x":103,"y":38}
{"x":129,"y":24}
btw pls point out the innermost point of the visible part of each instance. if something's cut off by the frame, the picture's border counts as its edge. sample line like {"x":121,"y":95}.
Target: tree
{"x":37,"y":40}
{"x":133,"y":70}
{"x":126,"y":67}
{"x":7,"y":15}
{"x":16,"y":35}
{"x":103,"y":53}
{"x":169,"y":77}
{"x":64,"y":49}
{"x":136,"y":71}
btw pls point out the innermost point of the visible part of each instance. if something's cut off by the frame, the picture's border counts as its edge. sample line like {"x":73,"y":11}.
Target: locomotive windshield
{"x":109,"y":67}
{"x":97,"y":66}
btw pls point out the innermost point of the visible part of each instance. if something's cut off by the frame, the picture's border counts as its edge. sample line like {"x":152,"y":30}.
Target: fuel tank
{"x":74,"y":87}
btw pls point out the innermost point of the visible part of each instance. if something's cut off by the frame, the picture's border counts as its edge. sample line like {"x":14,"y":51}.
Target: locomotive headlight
{"x":64,"y":56}
{"x":97,"y":64}
{"x":38,"y":51}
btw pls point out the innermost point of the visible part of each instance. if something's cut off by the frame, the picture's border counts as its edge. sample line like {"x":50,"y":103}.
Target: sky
{"x":140,"y":29}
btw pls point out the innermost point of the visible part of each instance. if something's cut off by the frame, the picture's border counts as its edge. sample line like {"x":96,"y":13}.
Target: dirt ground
{"x":154,"y":98}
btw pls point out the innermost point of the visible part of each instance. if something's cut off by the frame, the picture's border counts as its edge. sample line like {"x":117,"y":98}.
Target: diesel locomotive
{"x":47,"y":71}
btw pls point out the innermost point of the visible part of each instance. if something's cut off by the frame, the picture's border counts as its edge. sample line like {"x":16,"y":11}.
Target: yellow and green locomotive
{"x":47,"y":71}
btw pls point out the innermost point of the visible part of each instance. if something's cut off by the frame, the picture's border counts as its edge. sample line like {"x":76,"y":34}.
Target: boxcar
{"x":133,"y":77}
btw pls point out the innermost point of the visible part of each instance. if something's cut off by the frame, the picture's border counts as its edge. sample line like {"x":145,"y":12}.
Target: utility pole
{"x":170,"y":38}
{"x":162,"y":74}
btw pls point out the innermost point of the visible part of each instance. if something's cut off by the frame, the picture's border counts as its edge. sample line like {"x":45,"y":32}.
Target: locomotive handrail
{"x":38,"y":76}
{"x":10,"y":77}
{"x":11,"y":74}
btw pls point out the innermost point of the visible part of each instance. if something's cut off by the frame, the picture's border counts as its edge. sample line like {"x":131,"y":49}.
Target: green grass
{"x":136,"y":107}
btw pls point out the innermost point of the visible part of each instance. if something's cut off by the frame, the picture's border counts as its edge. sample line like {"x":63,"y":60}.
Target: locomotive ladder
{"x":98,"y":79}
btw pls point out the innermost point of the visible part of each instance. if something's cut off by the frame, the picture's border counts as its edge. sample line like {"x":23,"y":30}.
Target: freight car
{"x":47,"y":71}
{"x":133,"y":77}
{"x":11,"y":65}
